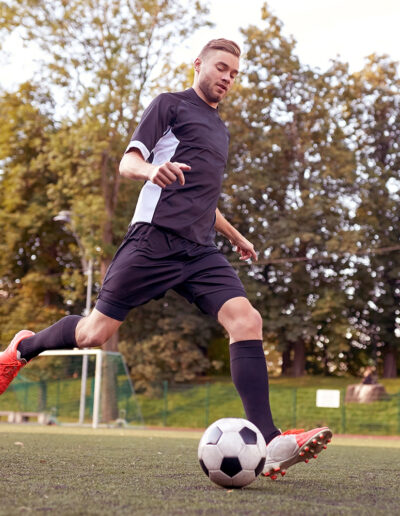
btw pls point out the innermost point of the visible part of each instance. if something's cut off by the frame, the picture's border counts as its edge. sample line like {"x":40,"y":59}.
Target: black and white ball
{"x":232,"y":452}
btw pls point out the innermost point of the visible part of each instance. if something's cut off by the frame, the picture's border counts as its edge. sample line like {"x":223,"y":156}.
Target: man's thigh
{"x":210,"y":281}
{"x":136,"y":276}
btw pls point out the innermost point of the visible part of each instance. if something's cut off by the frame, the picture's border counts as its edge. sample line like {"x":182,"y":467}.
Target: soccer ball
{"x":232,"y":452}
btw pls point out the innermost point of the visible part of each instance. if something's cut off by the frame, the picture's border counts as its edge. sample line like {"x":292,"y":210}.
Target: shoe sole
{"x":309,"y":450}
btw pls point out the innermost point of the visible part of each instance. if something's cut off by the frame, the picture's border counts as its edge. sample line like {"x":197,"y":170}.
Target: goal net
{"x":83,"y":387}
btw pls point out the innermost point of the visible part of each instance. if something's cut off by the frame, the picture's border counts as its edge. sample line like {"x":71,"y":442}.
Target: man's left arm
{"x":243,"y":246}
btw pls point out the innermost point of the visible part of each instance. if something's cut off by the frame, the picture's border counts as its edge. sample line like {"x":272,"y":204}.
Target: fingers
{"x":163,"y":177}
{"x":167,"y":173}
{"x":253,"y":255}
{"x":247,"y":254}
{"x":182,"y":166}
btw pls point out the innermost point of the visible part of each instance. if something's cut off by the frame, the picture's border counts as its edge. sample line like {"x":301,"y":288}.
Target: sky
{"x":323,"y":29}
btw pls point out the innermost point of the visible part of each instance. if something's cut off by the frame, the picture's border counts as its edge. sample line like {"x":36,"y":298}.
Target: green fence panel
{"x":197,"y":406}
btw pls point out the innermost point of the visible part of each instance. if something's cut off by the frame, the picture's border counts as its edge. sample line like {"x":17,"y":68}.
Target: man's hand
{"x":245,"y":248}
{"x":134,"y":166}
{"x":166,"y":174}
{"x":240,"y":244}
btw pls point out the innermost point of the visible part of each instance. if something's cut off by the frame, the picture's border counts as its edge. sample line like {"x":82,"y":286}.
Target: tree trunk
{"x":109,"y":391}
{"x":104,"y":264}
{"x":326,"y":361}
{"x":299,"y":359}
{"x":286,"y":360}
{"x":109,"y":387}
{"x":390,"y":363}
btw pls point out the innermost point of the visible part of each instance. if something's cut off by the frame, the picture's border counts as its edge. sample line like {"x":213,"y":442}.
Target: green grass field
{"x":71,"y":471}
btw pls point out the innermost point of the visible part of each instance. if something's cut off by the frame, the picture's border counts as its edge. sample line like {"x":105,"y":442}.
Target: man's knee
{"x":245,"y":322}
{"x":250,"y":320}
{"x":95,"y":329}
{"x":87,"y":337}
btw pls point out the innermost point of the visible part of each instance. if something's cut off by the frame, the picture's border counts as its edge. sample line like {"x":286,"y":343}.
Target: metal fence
{"x":200,"y":405}
{"x":77,"y":392}
{"x":197,"y":406}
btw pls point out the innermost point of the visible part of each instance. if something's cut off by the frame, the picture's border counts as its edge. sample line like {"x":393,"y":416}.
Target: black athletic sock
{"x":60,"y":335}
{"x":250,"y":376}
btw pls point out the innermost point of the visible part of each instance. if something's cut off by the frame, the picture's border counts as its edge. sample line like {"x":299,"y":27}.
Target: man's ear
{"x":197,"y":64}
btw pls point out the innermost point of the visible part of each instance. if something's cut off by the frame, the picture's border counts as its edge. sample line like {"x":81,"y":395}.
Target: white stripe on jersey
{"x":136,"y":144}
{"x":151,"y":193}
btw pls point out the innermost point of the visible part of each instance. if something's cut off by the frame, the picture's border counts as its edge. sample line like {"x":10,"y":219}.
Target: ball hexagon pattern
{"x":232,"y":452}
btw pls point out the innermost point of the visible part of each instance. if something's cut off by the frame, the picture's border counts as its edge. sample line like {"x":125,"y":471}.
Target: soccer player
{"x":179,"y":150}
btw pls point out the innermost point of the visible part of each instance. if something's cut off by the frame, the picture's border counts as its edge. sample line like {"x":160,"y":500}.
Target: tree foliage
{"x":375,"y":118}
{"x":312,"y":179}
{"x":301,"y":141}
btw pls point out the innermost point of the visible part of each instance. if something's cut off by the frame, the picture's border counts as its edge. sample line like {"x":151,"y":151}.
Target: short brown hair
{"x":221,"y":44}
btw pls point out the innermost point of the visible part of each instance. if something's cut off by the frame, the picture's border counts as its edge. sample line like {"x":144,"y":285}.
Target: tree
{"x":30,"y":250}
{"x":102,"y":55}
{"x":30,"y":273}
{"x":375,"y":120}
{"x":290,"y":172}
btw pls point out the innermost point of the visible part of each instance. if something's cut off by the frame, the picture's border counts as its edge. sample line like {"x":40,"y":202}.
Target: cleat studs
{"x":267,"y":474}
{"x":321,"y":436}
{"x":325,"y":447}
{"x":315,"y":455}
{"x":307,"y":448}
{"x":283,"y":472}
{"x":314,"y":441}
{"x":301,"y":454}
{"x":277,"y":469}
{"x":307,"y":461}
{"x":273,"y":477}
{"x":328,"y":440}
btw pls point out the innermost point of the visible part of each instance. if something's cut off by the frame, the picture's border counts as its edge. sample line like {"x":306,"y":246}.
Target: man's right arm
{"x":134,"y":166}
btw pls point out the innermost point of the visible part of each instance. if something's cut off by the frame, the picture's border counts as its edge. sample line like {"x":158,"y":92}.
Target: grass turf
{"x":142,"y":472}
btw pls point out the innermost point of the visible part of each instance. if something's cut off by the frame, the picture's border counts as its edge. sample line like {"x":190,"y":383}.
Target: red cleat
{"x":293,"y":446}
{"x":10,"y":363}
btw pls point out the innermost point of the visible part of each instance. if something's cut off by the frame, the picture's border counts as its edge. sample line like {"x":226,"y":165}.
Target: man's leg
{"x":248,"y":366}
{"x":69,"y":332}
{"x":249,"y":374}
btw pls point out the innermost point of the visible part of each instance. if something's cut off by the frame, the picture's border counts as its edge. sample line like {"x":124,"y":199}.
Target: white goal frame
{"x":85,"y":353}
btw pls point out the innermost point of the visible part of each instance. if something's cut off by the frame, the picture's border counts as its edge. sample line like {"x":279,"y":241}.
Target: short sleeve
{"x":156,"y":120}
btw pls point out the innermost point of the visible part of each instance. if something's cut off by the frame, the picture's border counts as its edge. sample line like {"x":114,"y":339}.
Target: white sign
{"x":328,"y":398}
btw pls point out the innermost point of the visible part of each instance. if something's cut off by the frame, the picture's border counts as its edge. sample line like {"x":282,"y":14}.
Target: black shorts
{"x":151,"y":261}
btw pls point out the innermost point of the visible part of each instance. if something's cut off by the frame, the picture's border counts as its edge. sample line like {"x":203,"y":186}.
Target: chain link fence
{"x":194,"y":406}
{"x":200,"y":405}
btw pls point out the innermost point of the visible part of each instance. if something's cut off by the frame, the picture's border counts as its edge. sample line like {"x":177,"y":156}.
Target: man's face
{"x":216,"y":74}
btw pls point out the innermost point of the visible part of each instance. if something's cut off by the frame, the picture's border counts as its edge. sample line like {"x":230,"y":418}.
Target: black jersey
{"x":182,"y":127}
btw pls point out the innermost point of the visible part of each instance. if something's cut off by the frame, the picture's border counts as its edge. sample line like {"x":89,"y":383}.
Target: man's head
{"x":216,"y":69}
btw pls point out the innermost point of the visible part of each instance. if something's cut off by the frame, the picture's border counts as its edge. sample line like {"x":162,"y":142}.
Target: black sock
{"x":60,"y":335}
{"x":250,"y":376}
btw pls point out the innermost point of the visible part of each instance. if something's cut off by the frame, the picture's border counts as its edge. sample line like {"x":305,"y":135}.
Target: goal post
{"x":85,"y":353}
{"x":72,"y":390}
